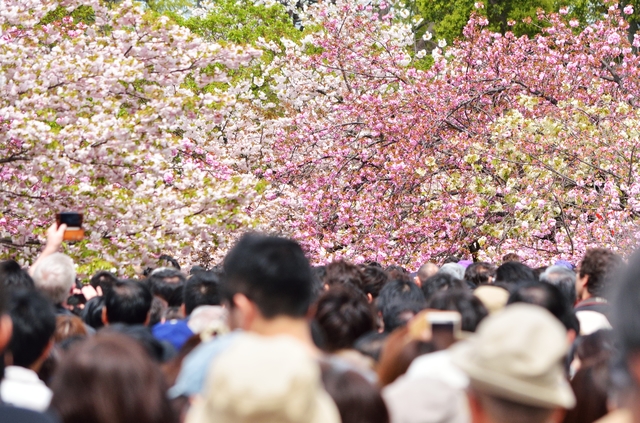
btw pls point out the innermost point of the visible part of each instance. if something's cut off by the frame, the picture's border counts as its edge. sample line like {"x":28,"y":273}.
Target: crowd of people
{"x":268,"y":338}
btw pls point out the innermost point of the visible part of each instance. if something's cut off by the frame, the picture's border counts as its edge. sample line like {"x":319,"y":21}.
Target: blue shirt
{"x":176,"y":332}
{"x":195,"y":366}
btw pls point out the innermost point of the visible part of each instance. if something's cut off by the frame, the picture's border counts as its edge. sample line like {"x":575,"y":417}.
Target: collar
{"x":21,"y":374}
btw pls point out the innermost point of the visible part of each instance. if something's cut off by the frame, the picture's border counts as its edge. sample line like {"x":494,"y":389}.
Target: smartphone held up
{"x":73,"y":220}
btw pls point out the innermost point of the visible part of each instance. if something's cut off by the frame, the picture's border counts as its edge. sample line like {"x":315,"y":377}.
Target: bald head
{"x":426,"y":271}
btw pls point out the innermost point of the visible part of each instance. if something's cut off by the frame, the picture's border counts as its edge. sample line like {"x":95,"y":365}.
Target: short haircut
{"x":14,"y":277}
{"x":480,"y":273}
{"x":129,"y":302}
{"x":272,"y":272}
{"x":343,"y":315}
{"x":168,"y":284}
{"x":549,"y":297}
{"x":454,"y":269}
{"x":512,"y":274}
{"x":92,"y":312}
{"x":471,"y":309}
{"x":440,"y":282}
{"x":374,"y":278}
{"x":34,"y":322}
{"x":203,"y":288}
{"x":563,"y":278}
{"x":511,"y":257}
{"x":103,"y":279}
{"x":426,"y":271}
{"x":506,"y":411}
{"x":54,"y":276}
{"x":600,"y":264}
{"x":398,"y":314}
{"x":399,"y":291}
{"x":340,"y":273}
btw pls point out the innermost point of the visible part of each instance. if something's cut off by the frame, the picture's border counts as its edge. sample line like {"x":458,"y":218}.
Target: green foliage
{"x":242,"y":22}
{"x":84,"y":14}
{"x":174,"y":6}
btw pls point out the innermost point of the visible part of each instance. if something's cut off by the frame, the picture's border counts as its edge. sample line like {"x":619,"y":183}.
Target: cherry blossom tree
{"x":504,"y":144}
{"x":116,"y":116}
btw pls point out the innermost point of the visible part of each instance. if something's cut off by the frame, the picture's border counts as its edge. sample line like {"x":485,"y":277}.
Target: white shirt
{"x":22,"y":387}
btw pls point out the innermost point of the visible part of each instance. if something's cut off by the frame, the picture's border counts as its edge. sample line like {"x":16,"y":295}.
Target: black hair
{"x":129,"y":302}
{"x":513,"y":274}
{"x":374,"y":279}
{"x":469,"y":306}
{"x":34,"y":322}
{"x":92,"y":312}
{"x":159,"y":351}
{"x":341,"y":273}
{"x":399,"y":291}
{"x":168,"y":284}
{"x":343,"y":314}
{"x":14,"y":277}
{"x":201,"y":289}
{"x":397,"y":314}
{"x":440,"y":282}
{"x":103,"y":279}
{"x":370,"y":344}
{"x":272,"y":272}
{"x":626,"y":310}
{"x":480,"y":273}
{"x":547,"y":296}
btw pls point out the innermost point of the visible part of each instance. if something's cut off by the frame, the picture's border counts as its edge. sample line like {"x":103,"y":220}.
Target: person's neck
{"x":297,"y":328}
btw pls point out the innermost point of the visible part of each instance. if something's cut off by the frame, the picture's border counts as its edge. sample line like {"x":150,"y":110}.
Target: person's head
{"x":470,"y":307}
{"x":440,"y":282}
{"x":512,"y":274}
{"x":399,"y":291}
{"x":563,"y":278}
{"x":343,"y":315}
{"x":103,"y":280}
{"x":68,"y":327}
{"x":426,"y":271}
{"x":54,"y":276}
{"x":14,"y":277}
{"x":158,"y":309}
{"x":6,"y":326}
{"x":454,"y":269}
{"x":92,"y":312}
{"x":450,"y":259}
{"x":357,"y":399}
{"x":264,"y":379}
{"x":514,"y":363}
{"x":340,"y":273}
{"x":511,"y":257}
{"x":168,"y":284}
{"x":551,"y":298}
{"x":373,"y":279}
{"x":34,"y":323}
{"x":597,"y":270}
{"x":109,"y":378}
{"x":266,"y":277}
{"x":398,"y":313}
{"x":128,"y":302}
{"x":480,"y":273}
{"x":590,"y":385}
{"x":201,"y":289}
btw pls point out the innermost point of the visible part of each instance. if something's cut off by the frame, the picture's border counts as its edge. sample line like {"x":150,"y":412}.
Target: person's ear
{"x":183,"y":310}
{"x":6,"y":328}
{"x":417,"y":281}
{"x":105,"y":320}
{"x":248,"y":311}
{"x":633,"y":362}
{"x":370,"y":298}
{"x":148,"y":319}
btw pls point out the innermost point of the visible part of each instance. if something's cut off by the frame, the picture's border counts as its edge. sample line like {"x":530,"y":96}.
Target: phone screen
{"x":73,"y":220}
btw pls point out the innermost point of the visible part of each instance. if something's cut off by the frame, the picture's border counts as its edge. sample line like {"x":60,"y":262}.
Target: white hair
{"x":54,"y":276}
{"x":454,"y":269}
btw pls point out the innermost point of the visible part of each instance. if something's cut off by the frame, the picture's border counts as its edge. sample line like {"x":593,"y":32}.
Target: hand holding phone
{"x":73,"y":222}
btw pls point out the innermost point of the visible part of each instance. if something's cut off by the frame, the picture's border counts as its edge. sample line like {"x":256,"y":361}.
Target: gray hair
{"x":563,"y":278}
{"x":454,"y":269}
{"x":54,"y":276}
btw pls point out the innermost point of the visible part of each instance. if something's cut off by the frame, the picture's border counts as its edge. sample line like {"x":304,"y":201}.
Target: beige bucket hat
{"x":516,"y":354}
{"x":264,"y":380}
